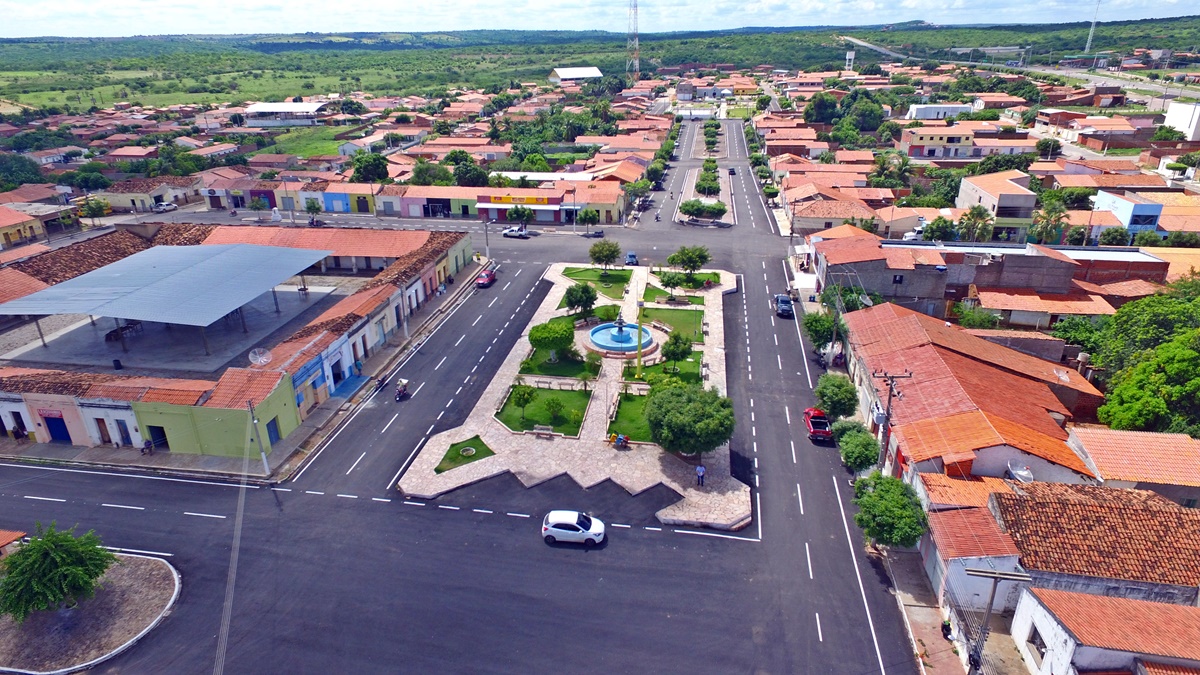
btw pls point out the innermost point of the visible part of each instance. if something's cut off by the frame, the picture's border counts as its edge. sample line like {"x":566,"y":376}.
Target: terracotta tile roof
{"x":1000,"y":183}
{"x":1105,"y":180}
{"x":181,"y":234}
{"x":966,"y":492}
{"x":9,"y":536}
{"x":968,"y":533}
{"x":151,"y":390}
{"x":16,"y":284}
{"x":1118,"y":624}
{"x":1102,"y":532}
{"x":71,"y":261}
{"x":145,"y":185}
{"x":842,"y":232}
{"x":849,"y":250}
{"x":1152,"y":668}
{"x":240,"y":385}
{"x":833,"y":209}
{"x":1085,"y":218}
{"x":30,"y":192}
{"x":1179,"y":223}
{"x":1142,"y":456}
{"x":1130,"y":288}
{"x":342,"y":242}
{"x":407,"y":267}
{"x":10,"y":217}
{"x":10,"y":254}
{"x":1029,"y":300}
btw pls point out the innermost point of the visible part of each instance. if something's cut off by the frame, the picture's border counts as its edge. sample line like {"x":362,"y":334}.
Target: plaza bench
{"x":543,"y":431}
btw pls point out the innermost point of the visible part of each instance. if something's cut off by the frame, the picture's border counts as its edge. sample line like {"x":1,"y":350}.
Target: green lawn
{"x":454,"y":458}
{"x":697,"y":280}
{"x":631,"y":419}
{"x":686,"y":321}
{"x":1123,"y":152}
{"x":689,"y":371}
{"x":539,"y":364}
{"x":307,"y":142}
{"x":535,"y":413}
{"x":656,"y":294}
{"x":612,"y":284}
{"x":742,"y":113}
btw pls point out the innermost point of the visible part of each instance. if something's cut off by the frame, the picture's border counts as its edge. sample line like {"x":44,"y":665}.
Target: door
{"x":289,"y":204}
{"x":273,"y":430}
{"x":123,"y":432}
{"x":388,"y":208}
{"x":466,"y":211}
{"x":158,"y":437}
{"x":57,"y":428}
{"x":103,"y":427}
{"x":361,"y":205}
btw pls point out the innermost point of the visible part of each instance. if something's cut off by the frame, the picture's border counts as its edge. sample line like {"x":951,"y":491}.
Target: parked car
{"x":593,"y":234}
{"x":819,"y":428}
{"x":486,"y":278}
{"x":783,"y":306}
{"x":572,"y":526}
{"x":163,"y":207}
{"x":732,"y":171}
{"x":631,"y":258}
{"x":516,"y":233}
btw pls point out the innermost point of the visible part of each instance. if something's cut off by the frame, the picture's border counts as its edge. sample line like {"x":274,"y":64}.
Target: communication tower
{"x":1092,"y":32}
{"x":633,"y":66}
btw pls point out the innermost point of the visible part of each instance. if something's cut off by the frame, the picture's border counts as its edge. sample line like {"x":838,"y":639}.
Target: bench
{"x":543,"y":431}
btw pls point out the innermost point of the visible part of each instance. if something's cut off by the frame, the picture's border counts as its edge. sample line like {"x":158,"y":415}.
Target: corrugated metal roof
{"x":186,"y":285}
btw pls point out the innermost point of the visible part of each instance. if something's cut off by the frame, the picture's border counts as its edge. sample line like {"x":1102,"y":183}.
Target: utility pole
{"x":258,"y":437}
{"x":975,"y":658}
{"x":887,"y":415}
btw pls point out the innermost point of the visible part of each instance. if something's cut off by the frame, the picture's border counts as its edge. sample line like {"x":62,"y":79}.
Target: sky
{"x":114,"y":18}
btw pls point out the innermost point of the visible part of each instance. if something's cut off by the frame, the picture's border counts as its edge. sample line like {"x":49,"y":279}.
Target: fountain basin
{"x":612,"y":337}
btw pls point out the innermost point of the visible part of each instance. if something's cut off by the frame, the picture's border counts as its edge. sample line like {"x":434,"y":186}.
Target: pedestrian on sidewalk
{"x":700,"y":475}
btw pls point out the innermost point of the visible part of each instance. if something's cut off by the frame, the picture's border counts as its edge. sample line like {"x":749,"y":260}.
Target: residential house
{"x":936,"y":111}
{"x":1167,"y":464}
{"x":129,"y":153}
{"x":1006,"y":195}
{"x":267,"y":161}
{"x":564,"y":76}
{"x":350,"y":197}
{"x":18,"y":228}
{"x":215,"y":151}
{"x":47,"y":157}
{"x":141,"y":194}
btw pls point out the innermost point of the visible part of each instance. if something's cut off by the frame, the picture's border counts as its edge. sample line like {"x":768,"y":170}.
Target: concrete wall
{"x":41,"y":406}
{"x":1060,"y":646}
{"x":1043,"y":348}
{"x":925,"y":283}
{"x":110,"y":411}
{"x":1184,"y":117}
{"x":1019,"y":270}
{"x":1116,"y":588}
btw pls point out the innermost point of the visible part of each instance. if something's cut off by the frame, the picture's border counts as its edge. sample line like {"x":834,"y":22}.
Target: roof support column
{"x":121,"y":334}
{"x":275,"y":297}
{"x":242,"y":315}
{"x":204,"y":338}
{"x":38,"y":323}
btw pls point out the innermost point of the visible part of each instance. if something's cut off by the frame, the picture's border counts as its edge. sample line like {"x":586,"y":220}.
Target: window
{"x":897,"y":278}
{"x":1143,"y":220}
{"x":1189,"y":503}
{"x":828,"y":224}
{"x":1036,"y":645}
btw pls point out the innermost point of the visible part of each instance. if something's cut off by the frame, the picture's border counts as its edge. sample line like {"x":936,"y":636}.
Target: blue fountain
{"x":618,"y":336}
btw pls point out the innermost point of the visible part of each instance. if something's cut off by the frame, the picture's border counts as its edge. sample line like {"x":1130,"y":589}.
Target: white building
{"x":572,"y":75}
{"x":1185,"y":118}
{"x":936,"y":111}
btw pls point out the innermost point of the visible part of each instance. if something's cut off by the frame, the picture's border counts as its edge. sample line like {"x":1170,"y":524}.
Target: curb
{"x":132,"y":641}
{"x":135,"y":470}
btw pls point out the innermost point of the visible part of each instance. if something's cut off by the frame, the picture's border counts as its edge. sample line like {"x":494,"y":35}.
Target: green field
{"x":611,"y":284}
{"x":539,"y":364}
{"x":689,"y":371}
{"x":536,"y":414}
{"x":740,"y":113}
{"x":656,"y":294}
{"x":687,"y":321}
{"x":307,"y":142}
{"x":631,"y":419}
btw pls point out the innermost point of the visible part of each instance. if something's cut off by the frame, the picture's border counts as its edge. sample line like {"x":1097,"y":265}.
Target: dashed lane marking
{"x":122,"y":506}
{"x":414,"y":503}
{"x":622,"y":525}
{"x":313,"y":492}
{"x":381,"y":499}
{"x":482,"y":511}
{"x":45,"y":499}
{"x":348,"y":496}
{"x":203,"y":515}
{"x":517,"y":515}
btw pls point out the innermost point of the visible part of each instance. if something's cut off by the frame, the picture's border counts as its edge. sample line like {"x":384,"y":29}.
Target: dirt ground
{"x":130,"y":595}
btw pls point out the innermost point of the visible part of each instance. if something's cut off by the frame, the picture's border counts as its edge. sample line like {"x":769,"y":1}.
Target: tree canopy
{"x":888,"y":510}
{"x":836,"y":395}
{"x":54,"y":569}
{"x":689,"y":419}
{"x":1159,"y":393}
{"x":580,"y":297}
{"x":369,"y":167}
{"x":689,"y":259}
{"x":604,"y":253}
{"x":555,"y":336}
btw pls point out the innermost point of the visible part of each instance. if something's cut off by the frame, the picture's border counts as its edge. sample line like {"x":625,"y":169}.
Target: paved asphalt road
{"x":337,"y":573}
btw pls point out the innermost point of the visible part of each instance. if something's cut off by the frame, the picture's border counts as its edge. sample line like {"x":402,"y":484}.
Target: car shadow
{"x":567,"y":546}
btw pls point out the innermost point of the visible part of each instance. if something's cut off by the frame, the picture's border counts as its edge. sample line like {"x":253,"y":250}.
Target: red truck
{"x":818,"y":425}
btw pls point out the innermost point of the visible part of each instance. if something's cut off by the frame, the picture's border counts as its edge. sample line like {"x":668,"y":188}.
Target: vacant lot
{"x":307,"y":142}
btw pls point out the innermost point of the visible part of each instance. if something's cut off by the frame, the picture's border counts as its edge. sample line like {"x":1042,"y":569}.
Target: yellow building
{"x":17,"y":228}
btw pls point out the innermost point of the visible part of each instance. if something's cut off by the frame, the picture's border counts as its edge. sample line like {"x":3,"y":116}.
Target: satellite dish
{"x":260,"y":356}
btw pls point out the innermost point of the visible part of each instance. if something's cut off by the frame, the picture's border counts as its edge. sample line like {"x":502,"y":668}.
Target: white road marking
{"x":457,"y":392}
{"x":793,"y":443}
{"x":385,"y":427}
{"x":506,"y":286}
{"x":406,"y":462}
{"x":203,"y":515}
{"x":126,"y":475}
{"x":482,"y":511}
{"x":714,"y":534}
{"x":414,"y":503}
{"x":45,"y":499}
{"x":122,"y":506}
{"x":134,"y":550}
{"x":490,"y":305}
{"x":450,"y":403}
{"x":788,"y":414}
{"x":773,"y":335}
{"x":464,"y":335}
{"x":519,"y":272}
{"x":822,"y":639}
{"x":440,"y":415}
{"x":621,"y":525}
{"x":751,"y":415}
{"x":755,"y":443}
{"x":381,"y":499}
{"x":413,"y":395}
{"x":653,"y":529}
{"x":799,"y":499}
{"x":809,"y":559}
{"x":313,"y":492}
{"x":448,"y":508}
{"x":858,"y":575}
{"x":477,"y":319}
{"x":439,"y":365}
{"x":518,"y":515}
{"x":779,"y":360}
{"x":758,"y":508}
{"x":348,"y":496}
{"x":275,"y":489}
{"x":360,"y":457}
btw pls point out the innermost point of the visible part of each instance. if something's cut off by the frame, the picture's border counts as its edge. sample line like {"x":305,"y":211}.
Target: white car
{"x":516,"y":233}
{"x":572,"y":526}
{"x":163,"y":207}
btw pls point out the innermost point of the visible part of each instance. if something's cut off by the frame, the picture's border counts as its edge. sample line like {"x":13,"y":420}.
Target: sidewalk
{"x":922,"y":615}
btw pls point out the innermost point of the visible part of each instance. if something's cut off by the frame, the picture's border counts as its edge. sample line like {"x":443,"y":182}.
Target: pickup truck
{"x":818,"y":425}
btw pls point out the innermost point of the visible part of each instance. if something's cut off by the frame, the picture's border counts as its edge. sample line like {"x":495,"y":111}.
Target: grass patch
{"x":690,"y":322}
{"x":1123,"y":152}
{"x":689,"y":371}
{"x":656,"y":294}
{"x":697,"y":280}
{"x":307,"y":142}
{"x":612,"y":284}
{"x":631,"y":419}
{"x":454,"y":457}
{"x":535,"y":413}
{"x":740,"y":113}
{"x":539,"y":364}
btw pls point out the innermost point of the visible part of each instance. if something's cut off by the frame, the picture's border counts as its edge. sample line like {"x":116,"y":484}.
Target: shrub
{"x":860,"y":450}
{"x":698,"y":209}
{"x":843,"y":427}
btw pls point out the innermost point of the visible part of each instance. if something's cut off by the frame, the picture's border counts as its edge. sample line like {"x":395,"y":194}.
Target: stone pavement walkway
{"x":922,"y":615}
{"x":723,"y":503}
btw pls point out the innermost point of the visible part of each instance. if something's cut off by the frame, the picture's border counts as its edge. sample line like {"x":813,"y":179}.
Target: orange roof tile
{"x":842,"y":232}
{"x":9,"y":536}
{"x":241,"y":385}
{"x":1085,"y":218}
{"x":15,"y":284}
{"x":969,"y":533}
{"x":1152,"y":668}
{"x":1029,"y":300}
{"x":342,"y":242}
{"x":1118,"y":624}
{"x":1142,"y":456}
{"x":954,"y":491}
{"x":10,"y":254}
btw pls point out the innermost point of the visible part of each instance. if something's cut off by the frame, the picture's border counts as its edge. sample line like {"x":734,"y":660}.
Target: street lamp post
{"x":487,"y":248}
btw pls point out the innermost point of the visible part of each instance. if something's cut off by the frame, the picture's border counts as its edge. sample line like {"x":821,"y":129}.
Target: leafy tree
{"x":1048,"y":221}
{"x":588,"y":218}
{"x":1144,"y":324}
{"x":1160,"y":393}
{"x":535,"y":163}
{"x":94,"y":208}
{"x":522,"y":396}
{"x":770,"y":191}
{"x":520,"y":214}
{"x":822,"y":108}
{"x":677,"y":348}
{"x":580,"y":297}
{"x":671,"y":281}
{"x":1072,"y":197}
{"x":865,"y":224}
{"x":860,"y":450}
{"x":975,"y":317}
{"x":888,"y":510}
{"x":604,"y":253}
{"x":369,"y":167}
{"x":939,"y":229}
{"x":1114,"y":236}
{"x":819,"y":326}
{"x":555,"y":336}
{"x":53,"y":569}
{"x":1077,"y":236}
{"x":688,"y":419}
{"x":841,"y":428}
{"x":458,"y":157}
{"x":312,"y":207}
{"x":258,"y":205}
{"x":1079,"y":330}
{"x":689,"y":259}
{"x":762,"y":102}
{"x":851,"y":298}
{"x":470,"y":175}
{"x":998,"y":163}
{"x":1166,"y":133}
{"x":18,"y":170}
{"x":1147,"y":238}
{"x":836,"y":395}
{"x":428,"y":173}
{"x":698,"y":209}
{"x":654,"y":172}
{"x":1048,"y":148}
{"x":977,"y":224}
{"x":554,"y":406}
{"x":1182,"y":240}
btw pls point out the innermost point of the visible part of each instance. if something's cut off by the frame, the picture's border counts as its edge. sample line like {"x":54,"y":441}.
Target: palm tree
{"x":976,"y":224}
{"x":1050,"y":219}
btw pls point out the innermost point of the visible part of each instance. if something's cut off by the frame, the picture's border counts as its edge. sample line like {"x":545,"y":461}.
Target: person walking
{"x":700,"y":475}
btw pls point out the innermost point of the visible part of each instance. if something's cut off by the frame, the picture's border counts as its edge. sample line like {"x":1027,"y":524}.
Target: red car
{"x":486,"y":278}
{"x":818,"y":425}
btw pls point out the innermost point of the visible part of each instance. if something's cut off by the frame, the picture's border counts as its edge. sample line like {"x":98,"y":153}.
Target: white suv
{"x":572,"y":526}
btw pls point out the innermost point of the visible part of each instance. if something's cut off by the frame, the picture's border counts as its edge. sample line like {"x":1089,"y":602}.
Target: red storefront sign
{"x":49,"y":413}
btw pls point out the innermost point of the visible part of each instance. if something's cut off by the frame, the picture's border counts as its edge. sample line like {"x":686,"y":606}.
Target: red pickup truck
{"x":818,"y":425}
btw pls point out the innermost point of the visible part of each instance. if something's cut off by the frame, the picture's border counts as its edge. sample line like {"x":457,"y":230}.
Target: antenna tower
{"x":1092,"y":32}
{"x":633,"y":67}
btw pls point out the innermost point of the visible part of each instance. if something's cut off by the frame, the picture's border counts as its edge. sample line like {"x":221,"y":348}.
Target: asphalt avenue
{"x":337,"y":572}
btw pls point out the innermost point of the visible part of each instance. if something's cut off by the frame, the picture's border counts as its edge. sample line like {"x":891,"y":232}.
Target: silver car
{"x":572,"y":526}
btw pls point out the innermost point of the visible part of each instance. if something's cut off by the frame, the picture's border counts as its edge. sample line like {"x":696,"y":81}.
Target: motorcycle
{"x":657,"y":217}
{"x":401,"y":389}
{"x":233,"y":213}
{"x":379,"y":383}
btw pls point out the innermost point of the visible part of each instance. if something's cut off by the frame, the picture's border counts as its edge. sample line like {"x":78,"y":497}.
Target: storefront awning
{"x":505,"y":207}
